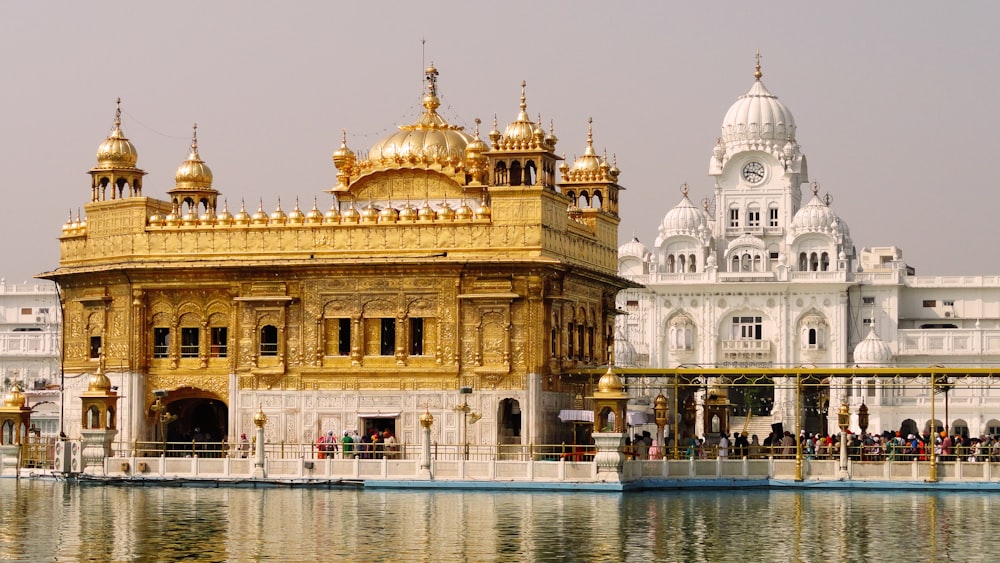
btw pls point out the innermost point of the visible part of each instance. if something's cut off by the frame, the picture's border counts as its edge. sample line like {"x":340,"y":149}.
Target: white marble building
{"x":764,"y":273}
{"x":29,"y":348}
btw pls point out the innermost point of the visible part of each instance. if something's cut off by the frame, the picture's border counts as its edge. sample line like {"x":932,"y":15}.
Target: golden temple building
{"x":447,"y":270}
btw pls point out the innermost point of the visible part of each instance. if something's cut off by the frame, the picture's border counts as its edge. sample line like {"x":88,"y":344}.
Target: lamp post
{"x":163,"y":418}
{"x":426,"y":420}
{"x":660,"y":412}
{"x":843,"y":420}
{"x":259,"y":420}
{"x":468,"y":417}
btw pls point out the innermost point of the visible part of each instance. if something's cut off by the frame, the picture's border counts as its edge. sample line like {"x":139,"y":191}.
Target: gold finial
{"x":757,"y":73}
{"x":118,"y":113}
{"x":524,"y":100}
{"x":815,"y":188}
{"x":552,"y":127}
{"x":431,"y":74}
{"x":343,"y":137}
{"x":590,"y":132}
{"x":684,"y":189}
{"x":704,"y":204}
{"x":478,"y":121}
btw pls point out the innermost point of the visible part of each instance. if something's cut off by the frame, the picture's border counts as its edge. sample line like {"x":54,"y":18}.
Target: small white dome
{"x":633,"y":249}
{"x":683,"y":219}
{"x":872,"y":351}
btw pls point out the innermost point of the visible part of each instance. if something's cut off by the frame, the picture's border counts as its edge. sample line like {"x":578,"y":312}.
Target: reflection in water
{"x":47,"y":520}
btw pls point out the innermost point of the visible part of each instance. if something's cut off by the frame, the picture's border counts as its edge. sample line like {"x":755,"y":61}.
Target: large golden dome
{"x":193,"y":173}
{"x":116,"y":151}
{"x":14,"y":398}
{"x":429,"y":141}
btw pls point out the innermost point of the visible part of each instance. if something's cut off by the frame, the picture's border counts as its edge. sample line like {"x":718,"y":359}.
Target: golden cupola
{"x":344,"y":159}
{"x":193,"y":182}
{"x":117,"y":151}
{"x":589,"y":167}
{"x":193,"y":173}
{"x":522,"y":133}
{"x":14,"y":398}
{"x":476,"y":162}
{"x":430,"y":142}
{"x":116,"y":175}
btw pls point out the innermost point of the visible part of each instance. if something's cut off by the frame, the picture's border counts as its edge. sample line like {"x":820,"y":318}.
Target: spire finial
{"x":524,"y":100}
{"x":343,"y":137}
{"x":431,"y":74}
{"x":194,"y":138}
{"x":684,"y":189}
{"x":478,"y":121}
{"x":590,"y":131}
{"x":815,"y":187}
{"x":757,"y":73}
{"x":828,"y":199}
{"x":118,"y":113}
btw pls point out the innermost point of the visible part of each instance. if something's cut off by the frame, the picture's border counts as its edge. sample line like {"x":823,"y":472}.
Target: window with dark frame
{"x":161,"y":342}
{"x":387,"y":345}
{"x":416,"y":337}
{"x":220,"y":342}
{"x":189,"y":342}
{"x":268,"y":340}
{"x":344,"y":337}
{"x":95,"y":347}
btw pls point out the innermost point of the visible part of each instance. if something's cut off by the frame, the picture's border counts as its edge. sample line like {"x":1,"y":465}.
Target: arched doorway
{"x":201,"y":417}
{"x":509,"y":422}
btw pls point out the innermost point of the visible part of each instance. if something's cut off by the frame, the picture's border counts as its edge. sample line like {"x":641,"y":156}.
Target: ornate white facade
{"x":29,"y":348}
{"x":762,"y":275}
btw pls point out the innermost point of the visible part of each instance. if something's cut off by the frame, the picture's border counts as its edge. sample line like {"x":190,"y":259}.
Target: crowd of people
{"x":373,"y":444}
{"x":887,"y":446}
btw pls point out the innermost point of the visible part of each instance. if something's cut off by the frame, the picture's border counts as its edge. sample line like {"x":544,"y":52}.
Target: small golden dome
{"x":522,"y":133}
{"x":193,"y":173}
{"x":278,"y":216}
{"x":350,"y":215}
{"x":344,"y":158}
{"x":155,"y":220}
{"x":551,"y":138}
{"x":314,"y":216}
{"x":172,"y":220}
{"x":207,"y":218}
{"x":333,"y":215}
{"x":483,"y":211}
{"x":446,"y":213}
{"x":99,"y":382}
{"x":464,"y":212}
{"x":259,"y":217}
{"x":68,"y":226}
{"x":408,"y":213}
{"x":610,"y":382}
{"x":14,"y":398}
{"x":242,"y":217}
{"x":116,"y":151}
{"x":427,"y":142}
{"x":296,"y":216}
{"x":225,"y":218}
{"x":388,"y":214}
{"x":426,"y":213}
{"x":189,"y":219}
{"x":369,"y":214}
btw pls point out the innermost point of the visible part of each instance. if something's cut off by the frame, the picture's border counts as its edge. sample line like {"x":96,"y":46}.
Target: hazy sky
{"x":895,"y":102}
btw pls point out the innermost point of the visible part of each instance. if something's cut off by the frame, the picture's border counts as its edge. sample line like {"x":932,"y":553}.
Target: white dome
{"x":683,"y":219}
{"x":872,"y":351}
{"x":758,"y":120}
{"x":633,"y":249}
{"x":817,"y":217}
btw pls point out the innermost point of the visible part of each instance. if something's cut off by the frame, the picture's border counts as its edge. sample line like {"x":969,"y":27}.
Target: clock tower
{"x":759,"y":170}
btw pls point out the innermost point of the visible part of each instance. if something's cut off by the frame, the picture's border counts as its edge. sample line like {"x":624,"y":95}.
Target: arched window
{"x":803,"y":262}
{"x":268,"y":340}
{"x":500,"y":174}
{"x":736,"y":263}
{"x":681,"y":260}
{"x":691,"y":264}
{"x":813,"y":262}
{"x":824,"y":262}
{"x":670,"y":264}
{"x":515,"y":173}
{"x":530,"y":173}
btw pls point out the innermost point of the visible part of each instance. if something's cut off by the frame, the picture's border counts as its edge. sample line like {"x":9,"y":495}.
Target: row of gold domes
{"x":368,"y":215}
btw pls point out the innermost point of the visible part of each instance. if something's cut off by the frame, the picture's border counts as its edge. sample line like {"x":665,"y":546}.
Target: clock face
{"x":753,"y":172}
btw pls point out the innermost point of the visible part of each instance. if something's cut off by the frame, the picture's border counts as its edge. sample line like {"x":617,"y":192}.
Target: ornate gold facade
{"x":443,"y":262}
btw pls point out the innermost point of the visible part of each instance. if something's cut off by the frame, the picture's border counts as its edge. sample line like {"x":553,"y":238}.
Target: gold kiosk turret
{"x":15,"y":418}
{"x":99,"y":408}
